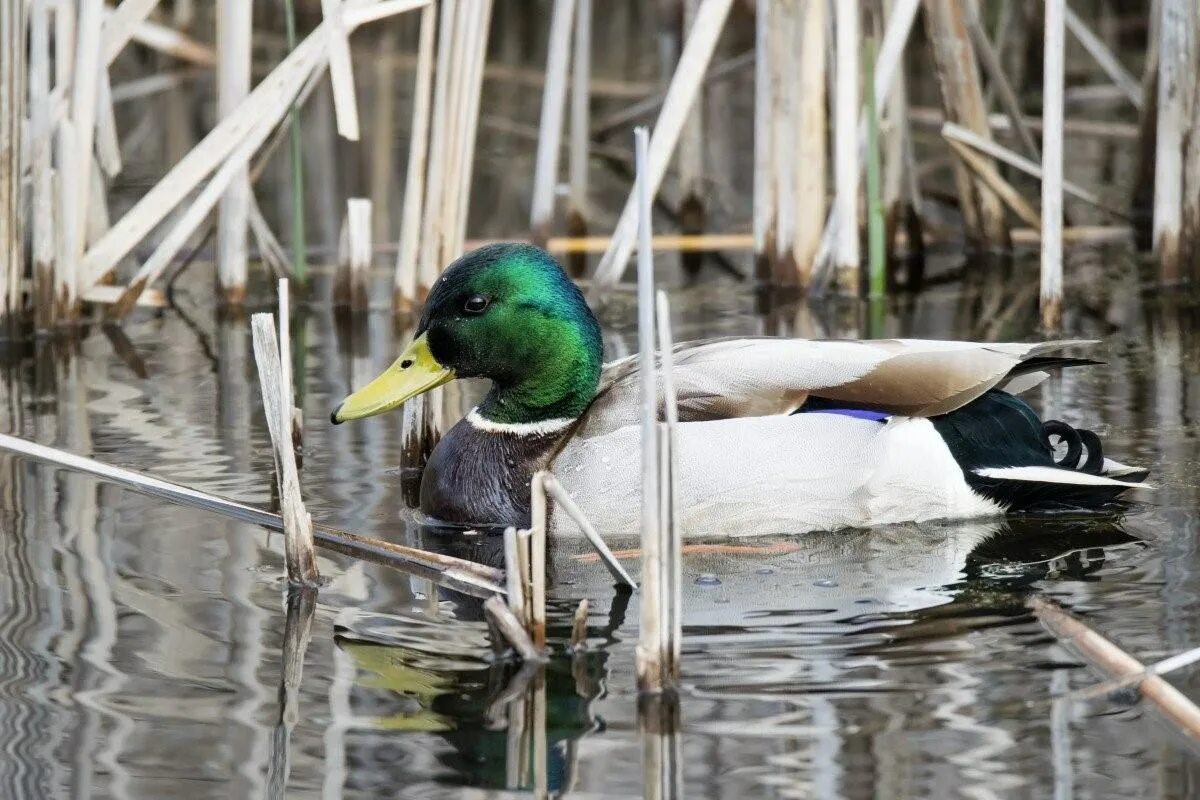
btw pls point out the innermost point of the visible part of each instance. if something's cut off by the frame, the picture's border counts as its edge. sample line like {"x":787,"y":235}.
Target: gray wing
{"x":726,"y":378}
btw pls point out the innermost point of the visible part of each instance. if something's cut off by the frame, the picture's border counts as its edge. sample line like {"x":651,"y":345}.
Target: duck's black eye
{"x":476,"y":304}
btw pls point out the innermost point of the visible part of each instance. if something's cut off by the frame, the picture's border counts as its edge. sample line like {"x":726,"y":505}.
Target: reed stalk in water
{"x":1052,"y":165}
{"x":296,"y":155}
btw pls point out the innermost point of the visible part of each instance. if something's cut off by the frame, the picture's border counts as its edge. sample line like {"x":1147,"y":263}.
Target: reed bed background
{"x":867,"y":135}
{"x":841,"y":137}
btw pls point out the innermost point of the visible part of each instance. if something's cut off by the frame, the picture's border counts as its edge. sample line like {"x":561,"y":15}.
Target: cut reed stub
{"x":352,"y":282}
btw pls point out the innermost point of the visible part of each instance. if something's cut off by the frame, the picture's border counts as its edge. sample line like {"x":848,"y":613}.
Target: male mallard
{"x":776,"y":435}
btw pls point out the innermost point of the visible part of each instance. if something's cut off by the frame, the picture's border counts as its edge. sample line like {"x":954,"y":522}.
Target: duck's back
{"x":777,"y":474}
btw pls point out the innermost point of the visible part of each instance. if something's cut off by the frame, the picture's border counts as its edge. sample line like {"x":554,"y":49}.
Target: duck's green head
{"x":505,"y":312}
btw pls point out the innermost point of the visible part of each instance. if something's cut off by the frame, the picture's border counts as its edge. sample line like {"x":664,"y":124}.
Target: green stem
{"x":875,"y":222}
{"x":299,"y":243}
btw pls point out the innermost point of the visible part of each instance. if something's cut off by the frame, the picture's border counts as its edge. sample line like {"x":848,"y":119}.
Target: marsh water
{"x":142,"y":644}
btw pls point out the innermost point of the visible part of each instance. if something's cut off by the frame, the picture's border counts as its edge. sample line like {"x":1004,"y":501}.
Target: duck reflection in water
{"x":914,"y":582}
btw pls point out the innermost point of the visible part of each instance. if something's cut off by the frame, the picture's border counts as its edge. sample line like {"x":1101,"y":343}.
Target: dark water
{"x":141,"y":644}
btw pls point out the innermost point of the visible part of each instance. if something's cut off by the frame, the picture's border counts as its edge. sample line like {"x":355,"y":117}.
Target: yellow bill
{"x":416,"y":371}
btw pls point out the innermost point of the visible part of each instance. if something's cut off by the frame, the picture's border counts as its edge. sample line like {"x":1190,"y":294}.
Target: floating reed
{"x":1115,"y":663}
{"x":685,"y":83}
{"x":1052,"y":165}
{"x":454,"y":573}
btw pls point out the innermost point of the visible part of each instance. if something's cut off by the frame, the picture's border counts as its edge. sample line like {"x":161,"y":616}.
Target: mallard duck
{"x":775,"y":435}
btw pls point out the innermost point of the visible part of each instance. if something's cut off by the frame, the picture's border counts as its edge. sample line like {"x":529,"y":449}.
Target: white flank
{"x":1053,"y":475}
{"x":546,"y":426}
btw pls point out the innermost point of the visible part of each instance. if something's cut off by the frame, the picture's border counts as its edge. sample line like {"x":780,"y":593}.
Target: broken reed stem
{"x":299,"y":236}
{"x":690,"y":161}
{"x":297,"y":524}
{"x":669,"y":529}
{"x":1176,"y":80}
{"x":567,"y":503}
{"x":579,"y":627}
{"x":764,"y":200}
{"x":408,"y":248}
{"x":988,"y":174}
{"x":577,"y":154}
{"x":507,"y":623}
{"x":845,"y":155}
{"x":524,"y":573}
{"x":990,"y":60}
{"x":42,"y":200}
{"x":554,"y":94}
{"x":12,"y":115}
{"x":782,"y":157}
{"x":84,"y":100}
{"x":1003,"y":154}
{"x":685,"y":83}
{"x":455,"y":573}
{"x":352,"y":284}
{"x":341,"y":70}
{"x":876,"y":246}
{"x":1108,"y":62}
{"x":537,"y":558}
{"x":1052,"y":165}
{"x":233,"y":84}
{"x":811,"y":147}
{"x":1115,"y":663}
{"x":512,"y":573}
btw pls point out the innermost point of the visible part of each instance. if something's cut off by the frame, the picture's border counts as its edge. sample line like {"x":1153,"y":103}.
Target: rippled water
{"x":141,"y":644}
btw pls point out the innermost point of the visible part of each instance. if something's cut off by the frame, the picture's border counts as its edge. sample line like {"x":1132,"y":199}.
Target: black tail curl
{"x":1077,"y":440}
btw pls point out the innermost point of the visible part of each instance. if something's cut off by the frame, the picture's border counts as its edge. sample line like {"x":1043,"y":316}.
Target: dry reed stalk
{"x":765,"y":199}
{"x":671,"y":550}
{"x":84,"y":94}
{"x":537,"y":558}
{"x":891,"y":52}
{"x":173,"y":43}
{"x":1003,"y":189}
{"x":1052,"y":165}
{"x":286,"y":379}
{"x":297,"y":524}
{"x":432,"y":223}
{"x":1105,"y":58}
{"x":408,"y":247}
{"x":512,"y":574}
{"x":341,"y":70}
{"x":524,"y":555}
{"x":108,"y":146}
{"x":784,"y":124}
{"x":1177,"y":60}
{"x":649,"y":663}
{"x":353,"y":280}
{"x":1189,"y":239}
{"x":120,"y":23}
{"x":811,"y":146}
{"x":383,"y":133}
{"x":647,"y":106}
{"x":554,"y":95}
{"x":685,"y":83}
{"x":234,"y":41}
{"x":270,"y":251}
{"x":472,"y":95}
{"x":261,"y":110}
{"x":567,"y":503}
{"x":690,"y":160}
{"x":1001,"y":153}
{"x":12,"y":115}
{"x":1100,"y":129}
{"x":1115,"y":663}
{"x":580,"y":130}
{"x":42,"y":201}
{"x":990,"y":60}
{"x":962,"y":97}
{"x":507,"y":623}
{"x":846,"y":159}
